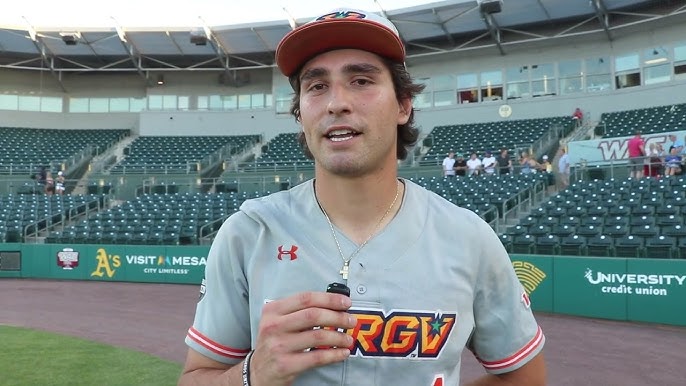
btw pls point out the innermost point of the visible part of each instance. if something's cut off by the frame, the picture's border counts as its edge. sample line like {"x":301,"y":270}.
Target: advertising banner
{"x":605,"y":151}
{"x":657,"y":291}
{"x":536,"y":275}
{"x":134,"y":263}
{"x":590,"y":286}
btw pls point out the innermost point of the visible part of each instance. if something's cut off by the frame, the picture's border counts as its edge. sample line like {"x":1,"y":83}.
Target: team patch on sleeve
{"x":225,"y":351}
{"x":517,"y":357}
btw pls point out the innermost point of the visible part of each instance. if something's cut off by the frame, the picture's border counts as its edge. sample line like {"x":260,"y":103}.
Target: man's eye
{"x":362,"y":82}
{"x":316,"y":87}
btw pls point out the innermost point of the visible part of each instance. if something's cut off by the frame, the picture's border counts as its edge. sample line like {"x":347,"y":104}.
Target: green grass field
{"x":30,"y":357}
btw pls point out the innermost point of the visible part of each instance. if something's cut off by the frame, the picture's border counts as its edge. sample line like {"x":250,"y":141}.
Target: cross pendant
{"x":344,"y":270}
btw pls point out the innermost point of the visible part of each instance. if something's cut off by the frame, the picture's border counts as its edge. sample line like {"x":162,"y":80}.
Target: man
{"x":563,"y":168}
{"x":489,"y":162}
{"x":504,"y":162}
{"x":264,"y":317}
{"x":636,"y":149}
{"x":460,"y":165}
{"x":474,"y":165}
{"x":448,"y":165}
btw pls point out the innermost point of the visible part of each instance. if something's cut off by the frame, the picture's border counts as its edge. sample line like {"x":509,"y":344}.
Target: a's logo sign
{"x":106,"y":264}
{"x":342,"y":15}
{"x":290,"y":253}
{"x":67,"y":258}
{"x":529,"y":275}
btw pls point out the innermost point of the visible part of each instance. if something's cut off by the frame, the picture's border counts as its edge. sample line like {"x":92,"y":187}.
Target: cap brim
{"x":302,"y":44}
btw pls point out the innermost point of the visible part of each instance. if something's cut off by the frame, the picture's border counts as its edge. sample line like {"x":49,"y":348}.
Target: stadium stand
{"x":169,"y":219}
{"x":177,"y":154}
{"x":491,"y":197}
{"x":27,"y":213}
{"x":479,"y":137}
{"x":23,"y":150}
{"x":649,"y":120}
{"x":283,"y":152}
{"x":615,"y":217}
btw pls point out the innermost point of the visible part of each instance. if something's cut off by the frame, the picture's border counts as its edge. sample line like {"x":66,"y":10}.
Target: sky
{"x":175,"y":13}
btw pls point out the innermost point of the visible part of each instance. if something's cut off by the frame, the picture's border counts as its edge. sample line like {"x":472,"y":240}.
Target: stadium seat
{"x":600,"y":245}
{"x":628,"y":246}
{"x":660,"y":247}
{"x":573,"y":245}
{"x":523,"y":244}
{"x":548,"y":245}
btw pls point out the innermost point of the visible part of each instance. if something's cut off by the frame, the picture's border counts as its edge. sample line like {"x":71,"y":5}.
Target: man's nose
{"x":339,"y":99}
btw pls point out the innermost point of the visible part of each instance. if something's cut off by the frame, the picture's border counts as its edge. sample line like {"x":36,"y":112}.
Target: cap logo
{"x":342,"y":15}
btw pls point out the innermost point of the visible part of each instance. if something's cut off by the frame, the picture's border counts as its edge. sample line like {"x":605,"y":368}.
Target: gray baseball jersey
{"x":433,"y":281}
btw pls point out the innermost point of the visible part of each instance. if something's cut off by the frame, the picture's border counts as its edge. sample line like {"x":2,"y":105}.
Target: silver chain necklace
{"x":346,"y":262}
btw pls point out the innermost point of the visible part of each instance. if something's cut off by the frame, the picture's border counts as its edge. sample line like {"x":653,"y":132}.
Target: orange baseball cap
{"x":339,"y":29}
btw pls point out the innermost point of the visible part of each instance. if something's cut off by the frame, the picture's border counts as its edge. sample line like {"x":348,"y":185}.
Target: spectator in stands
{"x":654,"y":166}
{"x":49,"y":184}
{"x":578,"y":117}
{"x":448,"y":165}
{"x":473,"y":165}
{"x":673,"y":162}
{"x":563,"y":167}
{"x":504,"y":162}
{"x":40,"y":175}
{"x":460,"y":165}
{"x":489,"y":163}
{"x":677,"y":143}
{"x":547,"y":168}
{"x":59,"y":183}
{"x":527,"y":164}
{"x":636,"y":148}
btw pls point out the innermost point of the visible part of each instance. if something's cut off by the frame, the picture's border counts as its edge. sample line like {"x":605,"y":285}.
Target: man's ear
{"x":404,"y":111}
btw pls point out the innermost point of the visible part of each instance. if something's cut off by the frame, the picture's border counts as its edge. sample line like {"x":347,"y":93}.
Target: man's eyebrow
{"x":313,"y":73}
{"x":353,"y":68}
{"x":361,"y":68}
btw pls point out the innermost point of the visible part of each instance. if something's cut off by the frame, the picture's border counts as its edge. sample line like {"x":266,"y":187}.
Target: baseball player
{"x":417,"y":279}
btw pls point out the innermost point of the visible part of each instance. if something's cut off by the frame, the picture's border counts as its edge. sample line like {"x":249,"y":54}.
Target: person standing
{"x":264,"y":317}
{"x":636,"y":150}
{"x":564,"y":168}
{"x":59,"y":183}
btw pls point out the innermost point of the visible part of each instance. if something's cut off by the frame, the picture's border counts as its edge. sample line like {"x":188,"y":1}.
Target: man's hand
{"x":287,"y":330}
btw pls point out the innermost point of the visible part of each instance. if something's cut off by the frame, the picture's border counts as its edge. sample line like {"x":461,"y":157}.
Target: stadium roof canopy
{"x":428,"y":29}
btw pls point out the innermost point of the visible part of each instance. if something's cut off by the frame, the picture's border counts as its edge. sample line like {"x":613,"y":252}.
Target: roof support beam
{"x":219,"y":49}
{"x":494,"y":30}
{"x":445,"y":30}
{"x":603,"y":16}
{"x":47,"y":57}
{"x":130,"y":49}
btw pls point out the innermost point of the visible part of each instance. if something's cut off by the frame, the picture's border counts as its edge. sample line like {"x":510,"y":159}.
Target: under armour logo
{"x":290,"y":253}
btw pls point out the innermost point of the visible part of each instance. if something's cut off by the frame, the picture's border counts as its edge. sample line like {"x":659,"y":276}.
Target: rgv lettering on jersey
{"x":634,"y":284}
{"x":400,"y":334}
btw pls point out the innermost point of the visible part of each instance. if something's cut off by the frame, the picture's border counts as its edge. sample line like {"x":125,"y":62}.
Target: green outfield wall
{"x":643,"y":290}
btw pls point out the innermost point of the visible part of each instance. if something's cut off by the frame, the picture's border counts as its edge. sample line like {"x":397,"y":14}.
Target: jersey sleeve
{"x":506,"y":335}
{"x":221,"y":329}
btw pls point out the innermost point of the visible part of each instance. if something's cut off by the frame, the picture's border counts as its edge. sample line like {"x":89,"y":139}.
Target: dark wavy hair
{"x":404,"y":88}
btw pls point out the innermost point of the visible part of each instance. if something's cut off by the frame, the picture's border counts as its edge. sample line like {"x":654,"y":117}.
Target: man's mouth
{"x":341,"y":135}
